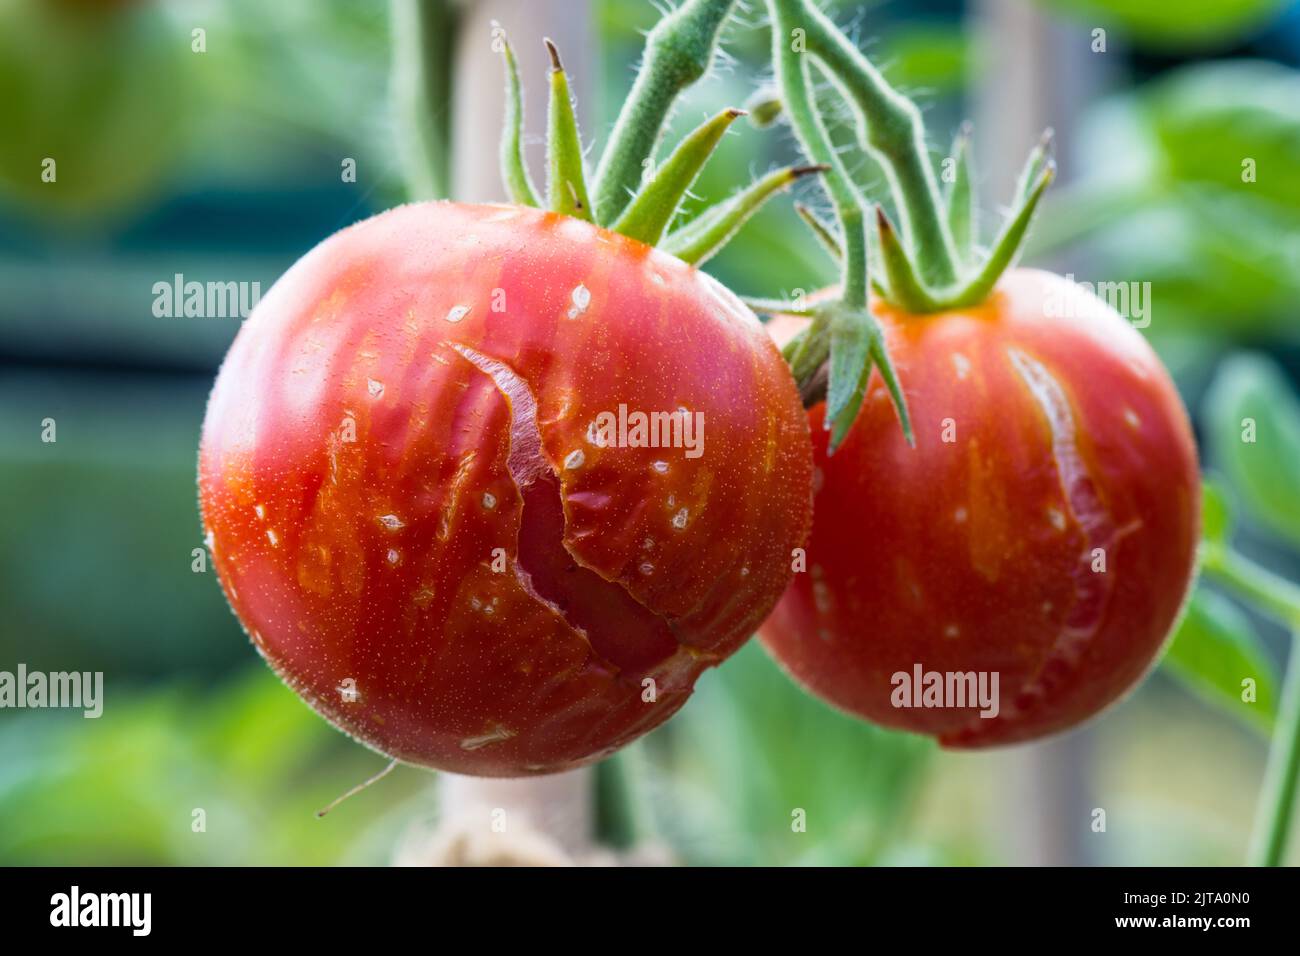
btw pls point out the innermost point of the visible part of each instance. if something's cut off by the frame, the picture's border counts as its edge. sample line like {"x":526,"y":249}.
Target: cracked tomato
{"x":1042,"y":531}
{"x":491,"y":487}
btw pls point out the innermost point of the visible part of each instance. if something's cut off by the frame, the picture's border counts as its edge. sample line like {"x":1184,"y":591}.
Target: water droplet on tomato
{"x":489,"y":500}
{"x":457,"y":313}
{"x":574,"y":459}
{"x":680,"y":519}
{"x":375,"y":389}
{"x":660,"y":466}
{"x":392,"y":522}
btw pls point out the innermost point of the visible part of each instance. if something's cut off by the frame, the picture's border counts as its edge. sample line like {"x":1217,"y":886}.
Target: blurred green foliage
{"x":98,"y":528}
{"x":751,"y":758}
{"x":1215,"y":648}
{"x":1188,"y":183}
{"x":111,"y":132}
{"x":125,"y":788}
{"x":1166,"y":24}
{"x":1253,"y":430}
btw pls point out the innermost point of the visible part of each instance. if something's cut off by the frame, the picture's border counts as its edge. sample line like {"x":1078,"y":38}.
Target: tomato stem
{"x":422,"y":33}
{"x":1279,"y":598}
{"x":891,"y":129}
{"x":679,"y":51}
{"x":929,"y":262}
{"x":796,"y":91}
{"x":1277,"y":795}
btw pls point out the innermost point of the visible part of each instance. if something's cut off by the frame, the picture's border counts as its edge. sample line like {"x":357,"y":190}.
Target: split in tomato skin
{"x":1067,"y":446}
{"x":406,"y":506}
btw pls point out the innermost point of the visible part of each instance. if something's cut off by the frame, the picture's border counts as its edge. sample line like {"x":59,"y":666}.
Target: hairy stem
{"x":796,"y":93}
{"x":679,"y":51}
{"x":892,"y":130}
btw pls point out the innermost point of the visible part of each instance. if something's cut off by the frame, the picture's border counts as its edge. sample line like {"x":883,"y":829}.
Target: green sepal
{"x":652,"y":209}
{"x":1039,"y":157}
{"x":514,"y":170}
{"x":566,"y":184}
{"x":959,"y":197}
{"x":703,"y":237}
{"x":822,"y":231}
{"x":1006,"y":247}
{"x":779,"y":307}
{"x":857,"y":343}
{"x":905,"y":288}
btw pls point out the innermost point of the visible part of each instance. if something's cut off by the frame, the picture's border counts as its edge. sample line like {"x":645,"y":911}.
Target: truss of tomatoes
{"x":419,"y":519}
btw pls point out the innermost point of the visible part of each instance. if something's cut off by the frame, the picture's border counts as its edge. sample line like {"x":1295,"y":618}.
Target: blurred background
{"x":223,"y":155}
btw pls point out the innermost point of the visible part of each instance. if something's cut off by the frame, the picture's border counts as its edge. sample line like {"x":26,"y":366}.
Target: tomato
{"x":1042,"y":530}
{"x":101,"y":89}
{"x":420,"y":518}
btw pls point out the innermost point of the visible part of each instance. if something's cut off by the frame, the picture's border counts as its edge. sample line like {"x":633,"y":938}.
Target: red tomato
{"x":1043,"y":529}
{"x":416,"y":520}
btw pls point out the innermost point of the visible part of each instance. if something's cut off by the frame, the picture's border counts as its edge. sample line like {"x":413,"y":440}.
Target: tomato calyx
{"x":930,"y":261}
{"x":630,"y":194}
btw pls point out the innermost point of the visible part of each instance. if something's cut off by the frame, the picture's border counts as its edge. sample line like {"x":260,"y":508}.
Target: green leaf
{"x":1207,"y":120}
{"x":1252,"y":420}
{"x":1215,"y":650}
{"x":1201,"y":203}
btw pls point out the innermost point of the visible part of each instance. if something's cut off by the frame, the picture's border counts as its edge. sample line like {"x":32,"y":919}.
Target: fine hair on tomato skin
{"x":1042,"y":530}
{"x":411,"y":523}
